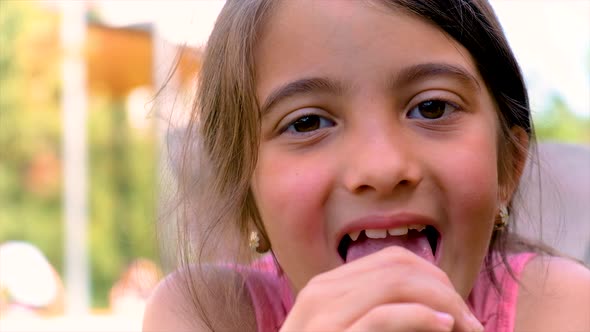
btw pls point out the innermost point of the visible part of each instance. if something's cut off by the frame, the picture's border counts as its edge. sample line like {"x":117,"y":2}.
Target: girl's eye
{"x":309,"y":123}
{"x":432,"y":110}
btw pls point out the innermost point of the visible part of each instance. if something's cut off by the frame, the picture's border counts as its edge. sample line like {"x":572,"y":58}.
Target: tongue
{"x":416,"y":243}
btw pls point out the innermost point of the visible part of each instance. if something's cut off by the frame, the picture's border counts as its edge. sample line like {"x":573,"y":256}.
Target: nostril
{"x":363,"y":188}
{"x":382,"y":186}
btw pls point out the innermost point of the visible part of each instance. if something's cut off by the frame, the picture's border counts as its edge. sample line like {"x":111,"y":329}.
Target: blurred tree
{"x":558,"y":123}
{"x":121,"y":160}
{"x":123,"y":193}
{"x":30,"y":179}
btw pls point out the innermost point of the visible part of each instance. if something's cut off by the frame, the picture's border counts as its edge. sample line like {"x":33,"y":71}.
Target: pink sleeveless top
{"x":272,"y":297}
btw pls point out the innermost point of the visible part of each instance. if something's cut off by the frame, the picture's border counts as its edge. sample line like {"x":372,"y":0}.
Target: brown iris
{"x":432,"y":109}
{"x":307,"y":123}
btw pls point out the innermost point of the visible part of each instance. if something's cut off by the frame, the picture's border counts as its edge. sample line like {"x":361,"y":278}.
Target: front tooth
{"x":354,"y":235}
{"x":376,"y":233}
{"x":419,"y":228}
{"x":402,"y":230}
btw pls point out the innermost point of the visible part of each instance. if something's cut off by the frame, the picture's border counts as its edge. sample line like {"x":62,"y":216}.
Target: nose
{"x":382,"y":161}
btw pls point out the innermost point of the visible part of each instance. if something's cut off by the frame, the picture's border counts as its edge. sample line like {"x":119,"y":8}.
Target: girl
{"x":372,"y":148}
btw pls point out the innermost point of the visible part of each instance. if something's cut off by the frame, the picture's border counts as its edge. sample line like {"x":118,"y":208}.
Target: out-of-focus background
{"x":83,"y":142}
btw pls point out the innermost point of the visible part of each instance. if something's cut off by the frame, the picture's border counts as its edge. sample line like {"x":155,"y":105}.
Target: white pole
{"x":74,"y":103}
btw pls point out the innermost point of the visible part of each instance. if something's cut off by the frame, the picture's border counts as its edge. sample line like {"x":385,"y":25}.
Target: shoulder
{"x":200,"y":300}
{"x":554,"y":296}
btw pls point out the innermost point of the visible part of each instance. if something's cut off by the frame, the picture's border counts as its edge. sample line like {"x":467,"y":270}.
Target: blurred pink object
{"x":131,"y":291}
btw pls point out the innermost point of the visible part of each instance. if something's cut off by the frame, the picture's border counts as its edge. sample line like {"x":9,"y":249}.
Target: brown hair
{"x":220,"y":150}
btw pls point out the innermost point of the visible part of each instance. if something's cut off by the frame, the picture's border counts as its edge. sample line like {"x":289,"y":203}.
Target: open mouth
{"x":423,"y":240}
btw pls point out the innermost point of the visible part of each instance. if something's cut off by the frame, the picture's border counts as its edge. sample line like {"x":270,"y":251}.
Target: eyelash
{"x":323,"y":120}
{"x":445,"y":114}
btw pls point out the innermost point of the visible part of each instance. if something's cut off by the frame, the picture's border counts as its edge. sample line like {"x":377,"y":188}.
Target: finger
{"x":392,"y":275}
{"x":391,"y":284}
{"x":406,"y":287}
{"x":404,"y":317}
{"x":424,"y":289}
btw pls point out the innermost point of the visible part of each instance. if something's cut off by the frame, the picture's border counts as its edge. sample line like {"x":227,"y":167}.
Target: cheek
{"x":477,"y":179}
{"x":476,"y":200}
{"x":481,"y":178}
{"x":471,"y":185}
{"x":290,"y":194}
{"x":471,"y":177}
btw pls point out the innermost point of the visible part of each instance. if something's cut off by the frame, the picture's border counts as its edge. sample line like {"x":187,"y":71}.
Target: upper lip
{"x":384,"y":222}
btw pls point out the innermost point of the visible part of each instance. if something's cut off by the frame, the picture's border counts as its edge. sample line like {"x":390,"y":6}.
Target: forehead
{"x":307,"y":38}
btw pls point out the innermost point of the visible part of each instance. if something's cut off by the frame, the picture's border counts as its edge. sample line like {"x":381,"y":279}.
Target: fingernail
{"x":445,"y":320}
{"x":474,"y":323}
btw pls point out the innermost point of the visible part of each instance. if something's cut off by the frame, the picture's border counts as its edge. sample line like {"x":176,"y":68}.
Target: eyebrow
{"x":301,"y":86}
{"x":406,"y":76}
{"x":425,"y":70}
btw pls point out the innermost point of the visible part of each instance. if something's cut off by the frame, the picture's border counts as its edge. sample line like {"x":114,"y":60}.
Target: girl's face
{"x":371,"y":119}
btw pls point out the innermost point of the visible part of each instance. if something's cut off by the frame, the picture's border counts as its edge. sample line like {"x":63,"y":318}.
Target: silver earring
{"x":503,"y":223}
{"x":254,"y":241}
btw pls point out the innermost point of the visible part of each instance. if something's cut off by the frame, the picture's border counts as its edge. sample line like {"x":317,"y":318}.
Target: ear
{"x":518,"y":150}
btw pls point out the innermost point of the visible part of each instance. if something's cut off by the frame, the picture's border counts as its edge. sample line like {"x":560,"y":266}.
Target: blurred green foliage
{"x":122,"y":160}
{"x":558,"y":123}
{"x":30,"y":130}
{"x":123,"y":195}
